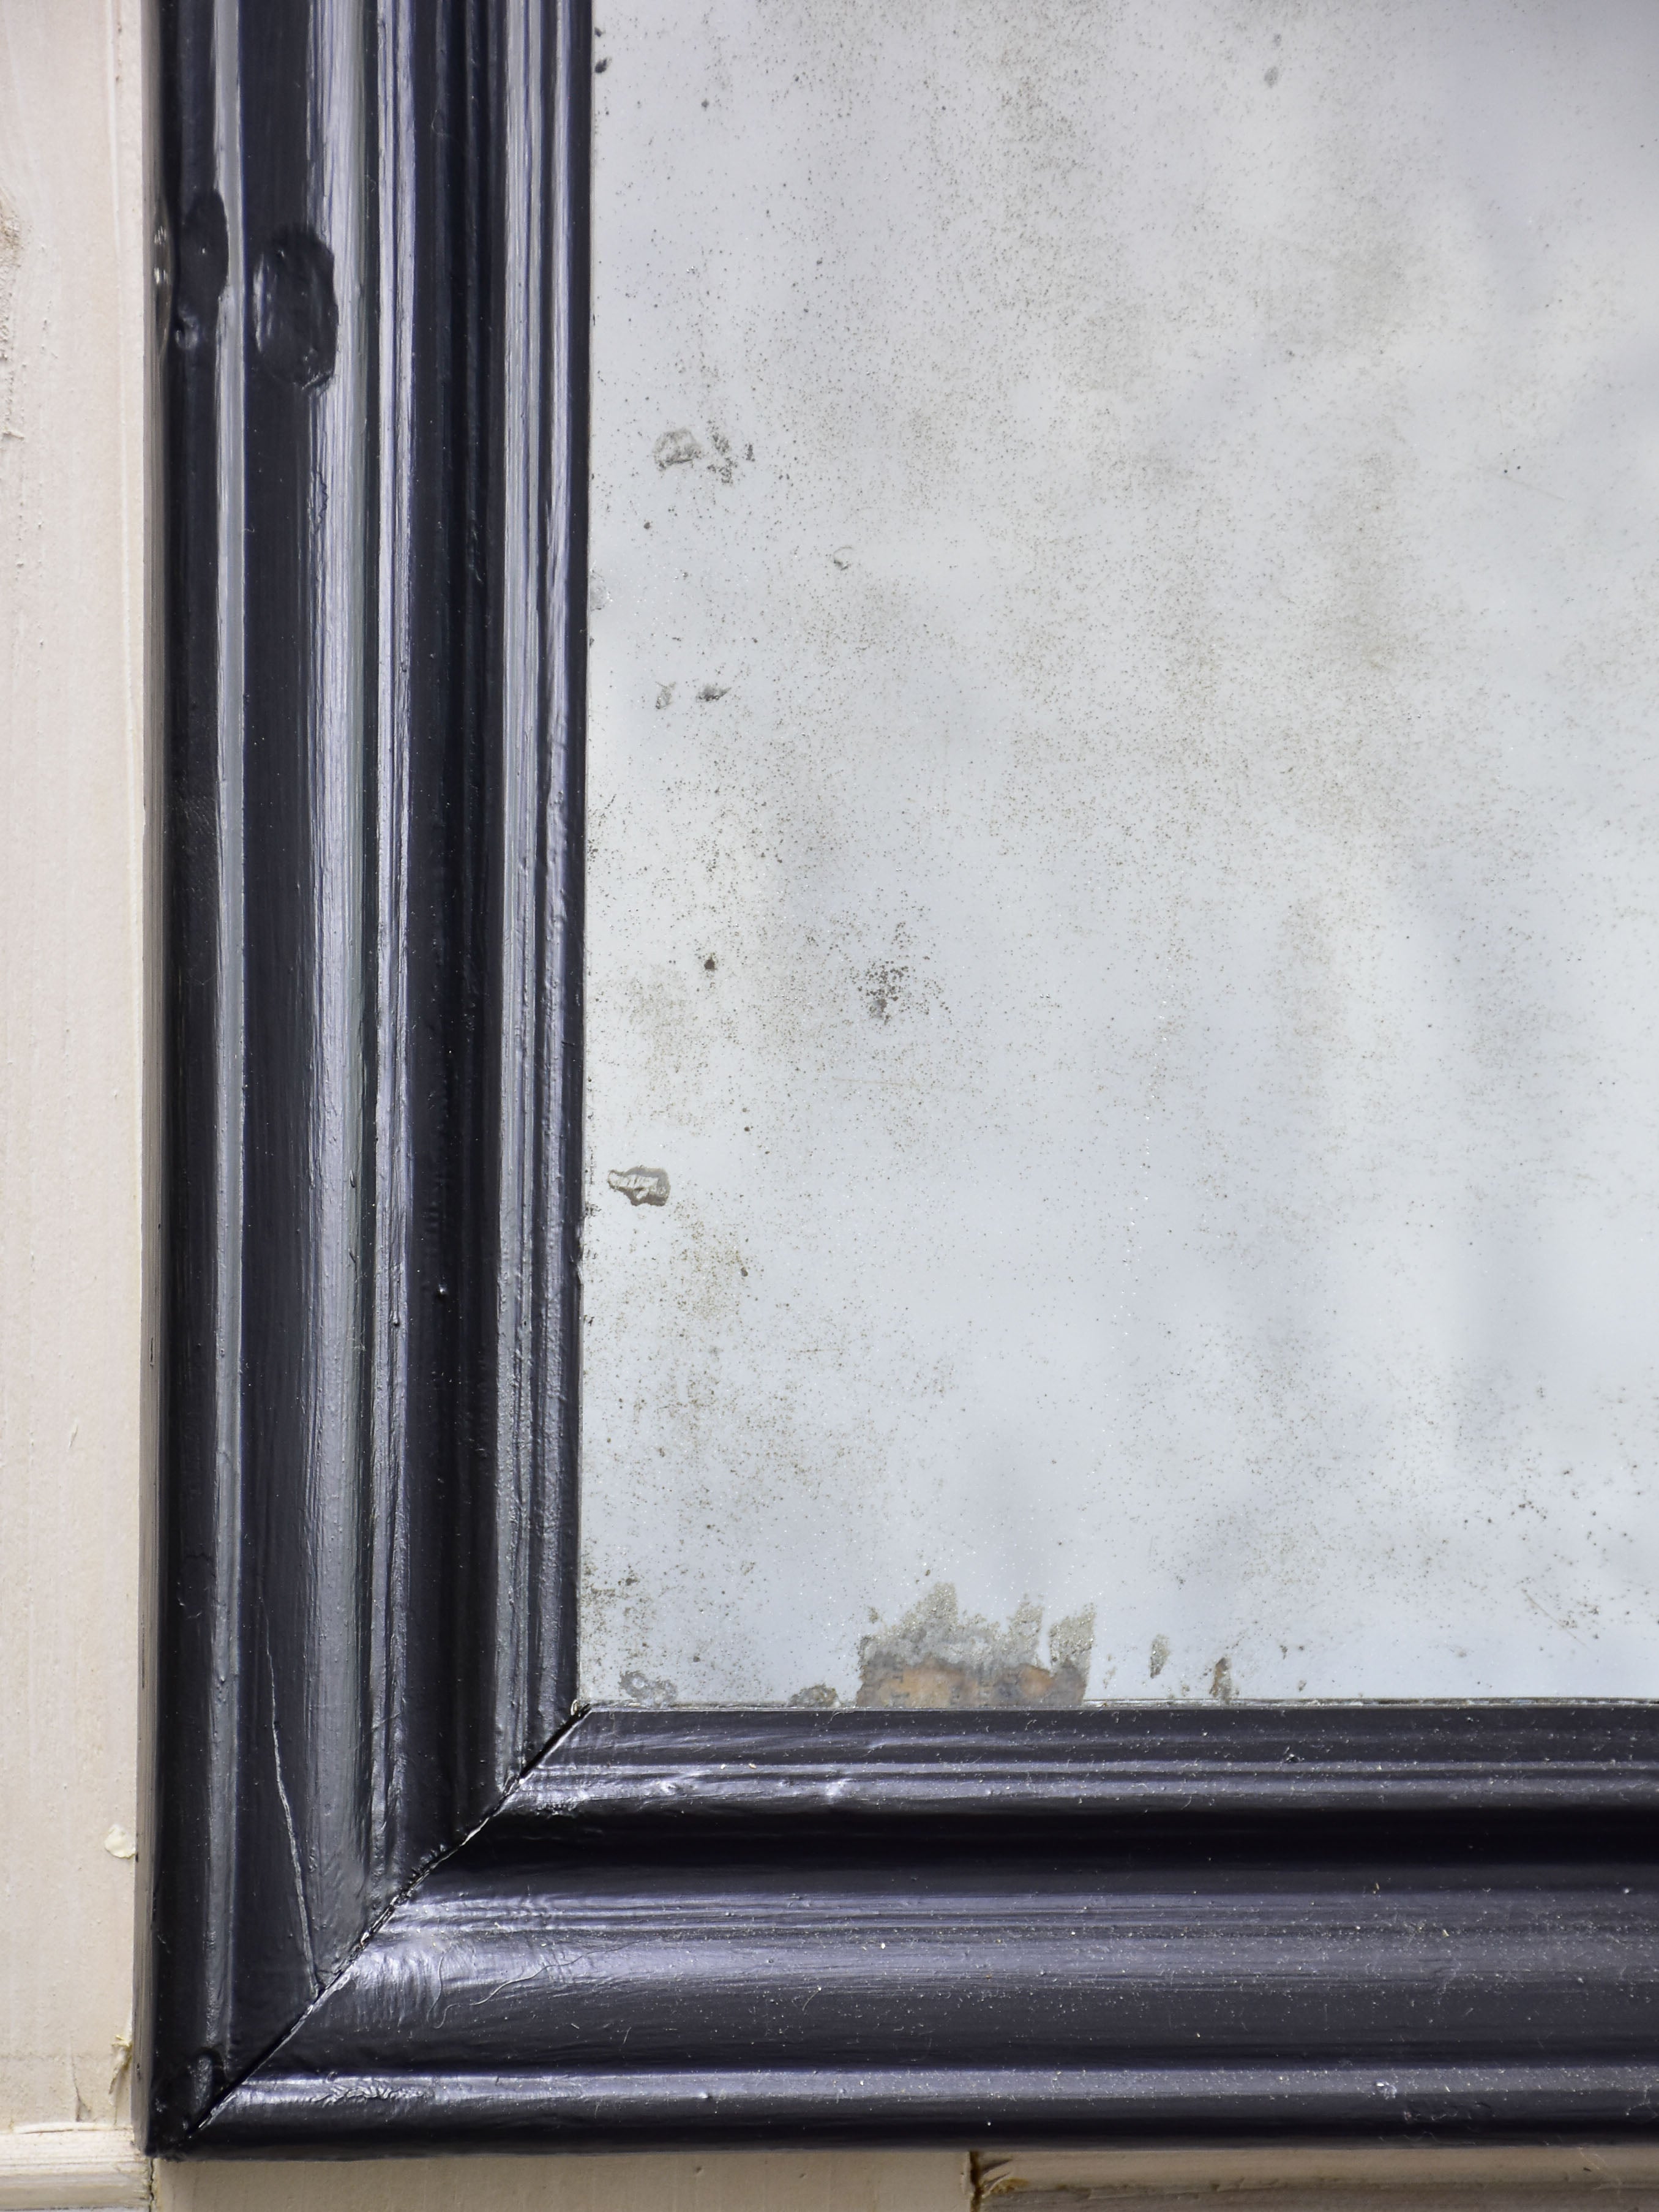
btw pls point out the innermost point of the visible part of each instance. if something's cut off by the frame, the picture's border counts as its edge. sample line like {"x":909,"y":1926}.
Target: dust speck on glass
{"x":1123,"y":1089}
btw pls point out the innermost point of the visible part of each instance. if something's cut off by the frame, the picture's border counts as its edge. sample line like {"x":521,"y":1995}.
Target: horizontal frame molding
{"x":911,"y":2106}
{"x":686,"y":1927}
{"x":626,"y":1765}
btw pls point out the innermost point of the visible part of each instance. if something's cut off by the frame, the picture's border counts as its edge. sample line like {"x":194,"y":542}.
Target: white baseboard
{"x":1301,"y":2177}
{"x":72,"y":2169}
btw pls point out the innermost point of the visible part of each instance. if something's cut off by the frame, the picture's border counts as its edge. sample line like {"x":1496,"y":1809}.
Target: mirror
{"x":1124,"y":795}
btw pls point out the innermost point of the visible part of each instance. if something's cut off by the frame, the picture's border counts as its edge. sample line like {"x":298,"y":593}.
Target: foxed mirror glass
{"x":1123,"y":1083}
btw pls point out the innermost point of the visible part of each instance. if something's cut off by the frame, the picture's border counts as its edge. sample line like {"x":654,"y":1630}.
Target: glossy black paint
{"x":395,"y":1900}
{"x":375,"y":481}
{"x":686,"y":1768}
{"x":684,"y":2107}
{"x":692,"y":1927}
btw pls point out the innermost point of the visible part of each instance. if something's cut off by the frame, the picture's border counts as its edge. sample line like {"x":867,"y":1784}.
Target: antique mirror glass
{"x":1123,"y":1089}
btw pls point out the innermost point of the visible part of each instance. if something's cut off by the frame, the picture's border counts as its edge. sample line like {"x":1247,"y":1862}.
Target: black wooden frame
{"x":397,"y":1896}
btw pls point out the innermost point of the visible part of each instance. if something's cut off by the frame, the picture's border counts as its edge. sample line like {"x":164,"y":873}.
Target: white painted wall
{"x":73,"y":272}
{"x":1125,"y":775}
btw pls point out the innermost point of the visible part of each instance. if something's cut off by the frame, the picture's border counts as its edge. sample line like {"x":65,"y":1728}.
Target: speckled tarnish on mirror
{"x":1124,"y":778}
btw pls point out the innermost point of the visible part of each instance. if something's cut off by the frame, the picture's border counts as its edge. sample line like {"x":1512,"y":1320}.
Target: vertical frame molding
{"x":374,"y":468}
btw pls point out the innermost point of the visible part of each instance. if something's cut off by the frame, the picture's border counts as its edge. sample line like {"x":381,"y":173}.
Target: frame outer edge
{"x":830,"y":2106}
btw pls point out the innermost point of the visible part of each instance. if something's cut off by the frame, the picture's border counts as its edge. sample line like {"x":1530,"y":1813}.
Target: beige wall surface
{"x":72,"y":275}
